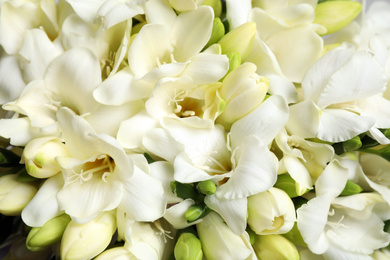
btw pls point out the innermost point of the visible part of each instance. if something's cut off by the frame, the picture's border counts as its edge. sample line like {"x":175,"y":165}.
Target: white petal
{"x":207,"y":68}
{"x":115,"y":12}
{"x":44,"y":205}
{"x":255,"y":171}
{"x":237,"y":12}
{"x":265,"y":121}
{"x":19,"y":130}
{"x":362,"y":76}
{"x":282,"y":87}
{"x":318,"y":75}
{"x":159,"y":142}
{"x":149,"y":47}
{"x":86,"y":9}
{"x":159,"y":12}
{"x":297,"y":171}
{"x":72,"y":77}
{"x":143,"y":197}
{"x":337,"y":125}
{"x":132,"y":131}
{"x":232,"y":211}
{"x":304,"y":119}
{"x":84,"y":201}
{"x":335,"y":252}
{"x":378,"y":136}
{"x":332,"y":180}
{"x":163,"y":171}
{"x":191,"y":32}
{"x":11,"y":80}
{"x":376,"y":107}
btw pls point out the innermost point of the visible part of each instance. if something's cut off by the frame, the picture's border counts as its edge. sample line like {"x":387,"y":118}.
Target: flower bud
{"x":352,"y":144}
{"x":188,"y":247}
{"x":351,"y":188}
{"x":286,"y":183}
{"x":14,"y":195}
{"x":48,"y":234}
{"x":216,"y":5}
{"x":183,"y":5}
{"x":295,"y":236}
{"x":85,"y":241}
{"x":234,"y":61}
{"x":207,"y":187}
{"x":196,"y":212}
{"x":115,"y":253}
{"x":219,"y":241}
{"x":239,"y":40}
{"x":335,"y":15}
{"x":271,"y":212}
{"x":275,"y":247}
{"x":39,"y":156}
{"x":217,"y":33}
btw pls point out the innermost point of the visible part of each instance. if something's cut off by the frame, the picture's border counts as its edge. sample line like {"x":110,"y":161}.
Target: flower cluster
{"x":189,"y":130}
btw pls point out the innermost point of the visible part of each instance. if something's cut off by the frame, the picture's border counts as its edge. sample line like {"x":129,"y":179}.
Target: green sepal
{"x":186,"y":191}
{"x":295,"y":236}
{"x":217,"y":32}
{"x":351,"y":188}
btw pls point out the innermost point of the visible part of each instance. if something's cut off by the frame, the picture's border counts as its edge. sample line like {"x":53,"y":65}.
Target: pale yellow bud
{"x":335,"y":15}
{"x":14,"y":195}
{"x":275,"y":247}
{"x":239,"y":40}
{"x":85,"y":241}
{"x":39,"y":156}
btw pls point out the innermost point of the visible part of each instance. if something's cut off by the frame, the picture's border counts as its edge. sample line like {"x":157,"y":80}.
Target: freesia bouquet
{"x":206,"y":129}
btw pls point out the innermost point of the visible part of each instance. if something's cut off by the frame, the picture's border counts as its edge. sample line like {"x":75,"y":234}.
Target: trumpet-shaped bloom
{"x":341,"y":92}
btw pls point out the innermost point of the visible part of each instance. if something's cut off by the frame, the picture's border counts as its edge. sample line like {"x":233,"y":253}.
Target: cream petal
{"x":143,"y":197}
{"x":332,"y":180}
{"x":337,"y":125}
{"x":86,"y":9}
{"x":84,"y":201}
{"x":72,"y":77}
{"x":206,"y":68}
{"x":362,"y":76}
{"x":175,"y":214}
{"x":44,"y":205}
{"x":150,"y":47}
{"x":232,"y":211}
{"x":19,"y":130}
{"x":237,"y":12}
{"x":297,"y":171}
{"x":159,"y":142}
{"x":115,"y":12}
{"x":318,"y":75}
{"x":376,"y":107}
{"x":191,"y":31}
{"x":256,"y":171}
{"x":304,"y":119}
{"x":11,"y":80}
{"x":265,"y":122}
{"x":293,"y":15}
{"x":283,"y":87}
{"x":159,"y":12}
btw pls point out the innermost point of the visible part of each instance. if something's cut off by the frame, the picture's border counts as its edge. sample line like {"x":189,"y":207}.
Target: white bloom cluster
{"x":196,"y":129}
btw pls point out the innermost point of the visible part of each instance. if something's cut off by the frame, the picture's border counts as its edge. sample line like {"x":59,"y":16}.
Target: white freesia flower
{"x":302,"y":159}
{"x":344,"y":227}
{"x":342,"y":97}
{"x":278,"y":22}
{"x":218,"y":241}
{"x":100,"y":177}
{"x":271,"y":212}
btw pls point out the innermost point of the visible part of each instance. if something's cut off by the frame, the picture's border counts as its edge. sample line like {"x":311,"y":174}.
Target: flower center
{"x":102,"y":168}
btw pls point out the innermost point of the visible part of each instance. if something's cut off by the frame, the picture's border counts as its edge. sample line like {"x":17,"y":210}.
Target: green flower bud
{"x":217,"y":33}
{"x":352,"y":144}
{"x":234,"y":60}
{"x":275,"y":247}
{"x":85,"y":241}
{"x":196,"y":212}
{"x":239,"y":40}
{"x":188,"y":247}
{"x":286,"y":183}
{"x":351,"y":188}
{"x":295,"y":236}
{"x":51,"y":232}
{"x":335,"y":15}
{"x":14,"y":195}
{"x":216,"y":5}
{"x":39,"y":156}
{"x":207,"y":187}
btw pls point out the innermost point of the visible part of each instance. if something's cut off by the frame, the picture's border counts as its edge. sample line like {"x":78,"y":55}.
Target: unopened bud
{"x":295,"y":236}
{"x":196,"y":212}
{"x":188,"y":247}
{"x":207,"y":187}
{"x":239,"y":40}
{"x":217,"y":33}
{"x":50,"y":233}
{"x":275,"y":247}
{"x":352,"y":144}
{"x":14,"y":195}
{"x":351,"y":188}
{"x":234,"y":60}
{"x":335,"y":15}
{"x":85,"y":241}
{"x":216,"y":5}
{"x":39,"y":156}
